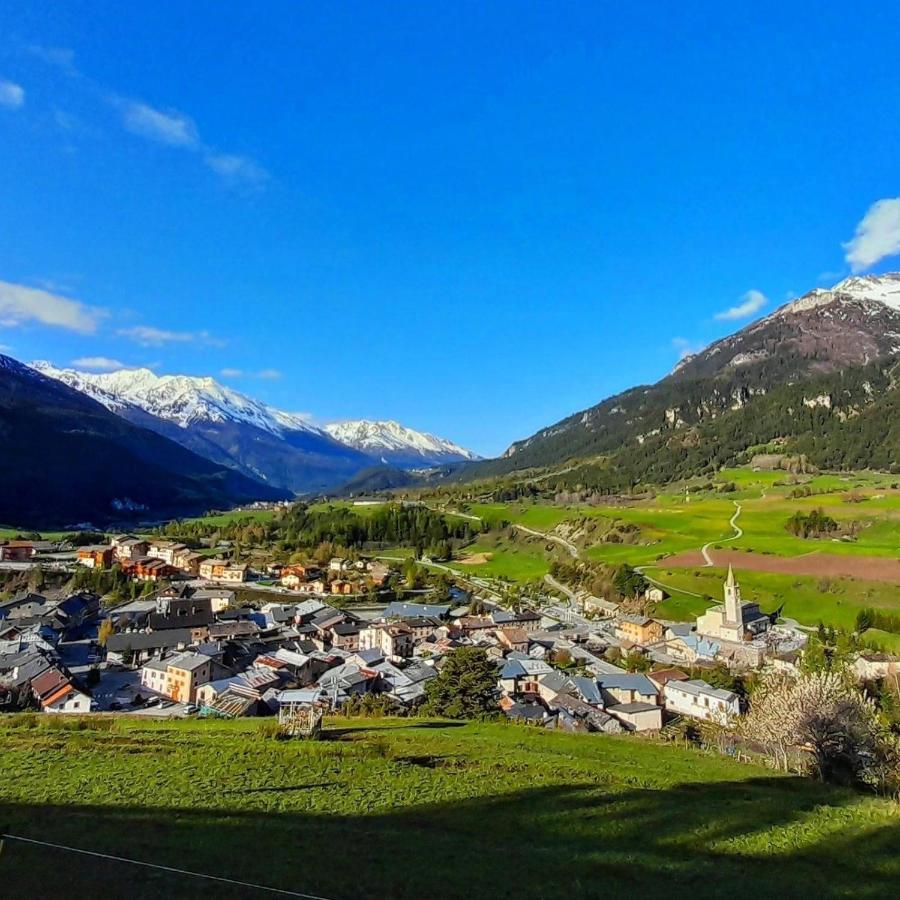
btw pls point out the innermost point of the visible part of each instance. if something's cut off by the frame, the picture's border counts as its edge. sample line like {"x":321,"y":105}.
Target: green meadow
{"x":834,"y":601}
{"x":415,"y":808}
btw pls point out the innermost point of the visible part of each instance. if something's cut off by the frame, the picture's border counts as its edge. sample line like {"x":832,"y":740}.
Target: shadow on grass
{"x":338,"y":732}
{"x":763,"y":837}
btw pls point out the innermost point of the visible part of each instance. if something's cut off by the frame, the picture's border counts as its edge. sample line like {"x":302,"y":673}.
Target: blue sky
{"x":473,"y":218}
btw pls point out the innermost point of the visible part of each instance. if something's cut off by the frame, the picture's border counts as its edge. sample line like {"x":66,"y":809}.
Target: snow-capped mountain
{"x":824,"y":333}
{"x":224,"y":425}
{"x":182,"y":399}
{"x":395,"y":444}
{"x":852,"y":323}
{"x":228,"y":427}
{"x":75,"y":461}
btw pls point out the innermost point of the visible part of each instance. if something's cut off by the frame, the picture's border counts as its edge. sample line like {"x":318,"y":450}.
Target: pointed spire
{"x":730,"y":579}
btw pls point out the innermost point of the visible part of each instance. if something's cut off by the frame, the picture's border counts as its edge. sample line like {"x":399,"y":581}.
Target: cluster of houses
{"x":159,"y":560}
{"x":194,"y":650}
{"x":341,"y":576}
{"x":40,"y":643}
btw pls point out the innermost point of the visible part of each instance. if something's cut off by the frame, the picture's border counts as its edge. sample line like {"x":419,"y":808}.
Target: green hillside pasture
{"x":226,"y":518}
{"x":410,"y":808}
{"x":509,"y":560}
{"x":834,"y":601}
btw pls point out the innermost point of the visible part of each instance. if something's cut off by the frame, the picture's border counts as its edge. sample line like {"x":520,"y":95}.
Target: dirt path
{"x":570,"y":548}
{"x":738,"y":534}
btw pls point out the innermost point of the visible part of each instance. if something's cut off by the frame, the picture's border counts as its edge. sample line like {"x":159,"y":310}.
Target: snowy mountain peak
{"x":871,"y":289}
{"x":182,"y":399}
{"x":391,"y":438}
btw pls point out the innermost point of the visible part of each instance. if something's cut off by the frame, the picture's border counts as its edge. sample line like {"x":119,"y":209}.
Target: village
{"x":193,"y":646}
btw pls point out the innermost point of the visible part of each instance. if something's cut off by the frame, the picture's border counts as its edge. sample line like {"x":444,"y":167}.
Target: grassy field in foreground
{"x":411,"y":808}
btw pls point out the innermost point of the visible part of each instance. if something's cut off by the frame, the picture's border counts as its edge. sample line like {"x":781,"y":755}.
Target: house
{"x":339,"y":586}
{"x":56,"y":693}
{"x":401,"y":610}
{"x":187,"y":560}
{"x":338,"y":564}
{"x":522,"y":675}
{"x":699,"y":700}
{"x":513,"y":639}
{"x":23,"y":607}
{"x":219,"y":599}
{"x":345,"y":636}
{"x":191,"y":612}
{"x":577,"y":711}
{"x":178,"y":676}
{"x":655,"y":594}
{"x":394,"y":640}
{"x":148,"y":568}
{"x":132,"y":648}
{"x":684,"y":645}
{"x":661,"y":677}
{"x":873,"y":666}
{"x":639,"y":630}
{"x":638,"y":716}
{"x":16,"y":551}
{"x":627,"y":688}
{"x":223,"y":570}
{"x":734,"y":620}
{"x":126,"y":547}
{"x":97,"y":557}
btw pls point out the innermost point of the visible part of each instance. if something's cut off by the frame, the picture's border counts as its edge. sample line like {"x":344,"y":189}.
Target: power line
{"x":176,"y":871}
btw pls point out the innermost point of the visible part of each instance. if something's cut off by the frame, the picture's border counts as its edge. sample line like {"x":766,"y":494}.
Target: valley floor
{"x":416,"y":808}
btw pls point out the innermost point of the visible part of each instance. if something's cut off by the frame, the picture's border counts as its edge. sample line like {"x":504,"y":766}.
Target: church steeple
{"x":733,"y":606}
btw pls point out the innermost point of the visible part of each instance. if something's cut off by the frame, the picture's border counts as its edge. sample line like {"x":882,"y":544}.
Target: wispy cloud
{"x":264,"y":374}
{"x":877,"y":235}
{"x":12,"y":96}
{"x":236,"y":169}
{"x":752,"y":302}
{"x":98,"y":363}
{"x":685,"y":347}
{"x":160,"y":124}
{"x":61,"y":57}
{"x":149,"y":336}
{"x":164,"y":126}
{"x":20,"y":304}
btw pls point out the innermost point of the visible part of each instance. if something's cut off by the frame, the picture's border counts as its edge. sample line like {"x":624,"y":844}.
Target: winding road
{"x":571,"y":549}
{"x":738,"y":533}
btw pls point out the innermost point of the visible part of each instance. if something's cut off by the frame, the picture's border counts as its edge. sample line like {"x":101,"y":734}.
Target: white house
{"x":700,"y":700}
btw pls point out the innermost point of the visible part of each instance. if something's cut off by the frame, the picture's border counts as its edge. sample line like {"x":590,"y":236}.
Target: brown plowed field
{"x":871,"y":568}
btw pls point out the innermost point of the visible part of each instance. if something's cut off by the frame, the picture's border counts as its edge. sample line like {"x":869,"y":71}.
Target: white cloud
{"x":265,"y":374}
{"x":20,"y":304}
{"x":685,"y":347}
{"x":62,"y":57}
{"x":235,"y":168}
{"x":877,"y":235}
{"x":12,"y":96}
{"x":149,"y":336}
{"x":752,"y":302}
{"x":165,"y":126}
{"x":98,"y":363}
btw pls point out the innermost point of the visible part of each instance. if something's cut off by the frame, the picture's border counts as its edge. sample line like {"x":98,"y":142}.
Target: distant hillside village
{"x":197,"y":646}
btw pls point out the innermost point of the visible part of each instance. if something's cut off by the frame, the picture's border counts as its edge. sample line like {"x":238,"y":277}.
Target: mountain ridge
{"x":230,"y":428}
{"x":69,"y":460}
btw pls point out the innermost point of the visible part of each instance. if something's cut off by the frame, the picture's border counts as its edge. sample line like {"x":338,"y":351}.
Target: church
{"x":734,"y":620}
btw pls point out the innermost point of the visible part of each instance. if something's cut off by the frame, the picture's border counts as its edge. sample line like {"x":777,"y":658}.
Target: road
{"x":738,"y":534}
{"x":570,"y":548}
